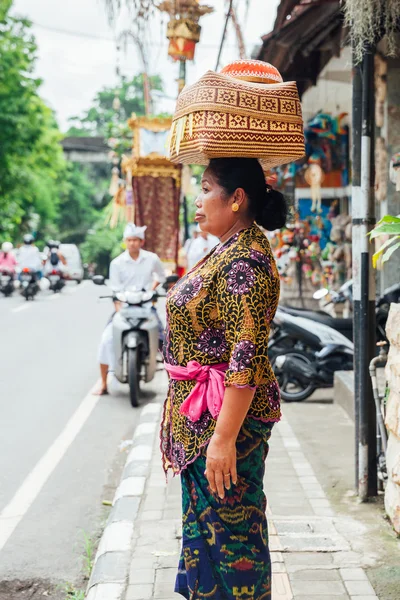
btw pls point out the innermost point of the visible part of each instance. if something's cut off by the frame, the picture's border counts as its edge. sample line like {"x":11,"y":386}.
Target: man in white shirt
{"x":200,"y":247}
{"x":133,"y":269}
{"x":29,"y":256}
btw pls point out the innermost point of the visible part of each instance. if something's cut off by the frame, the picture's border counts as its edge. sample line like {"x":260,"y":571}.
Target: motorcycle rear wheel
{"x":287,"y":381}
{"x":134,"y":376}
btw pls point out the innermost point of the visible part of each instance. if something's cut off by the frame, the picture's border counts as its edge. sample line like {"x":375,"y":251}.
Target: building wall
{"x":390,"y":132}
{"x":332,"y":93}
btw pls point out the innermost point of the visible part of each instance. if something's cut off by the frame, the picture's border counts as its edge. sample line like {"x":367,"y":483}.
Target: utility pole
{"x":363,"y":279}
{"x":181,"y":85}
{"x":355,"y":194}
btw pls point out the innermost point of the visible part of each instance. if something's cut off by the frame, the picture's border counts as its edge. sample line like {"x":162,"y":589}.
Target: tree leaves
{"x":388,"y":226}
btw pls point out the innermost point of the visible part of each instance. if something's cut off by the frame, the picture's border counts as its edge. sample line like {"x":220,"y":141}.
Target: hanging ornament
{"x":118,"y":207}
{"x":114,"y":184}
{"x":116,"y":103}
{"x":314,"y":176}
{"x":129,"y":200}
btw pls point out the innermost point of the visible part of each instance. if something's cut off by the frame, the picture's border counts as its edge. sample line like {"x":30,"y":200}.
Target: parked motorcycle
{"x":304,"y":358}
{"x":6,"y":282}
{"x":29,"y":283}
{"x":56,"y":279}
{"x":135,"y":339}
{"x":345,"y":294}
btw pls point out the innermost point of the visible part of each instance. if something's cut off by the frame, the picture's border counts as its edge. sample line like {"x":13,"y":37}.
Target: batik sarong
{"x":225,"y":553}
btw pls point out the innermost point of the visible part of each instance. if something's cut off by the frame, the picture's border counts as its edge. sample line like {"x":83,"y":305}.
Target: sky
{"x":77,"y":52}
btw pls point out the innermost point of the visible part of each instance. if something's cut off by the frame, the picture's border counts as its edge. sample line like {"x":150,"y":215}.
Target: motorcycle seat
{"x":320,"y":317}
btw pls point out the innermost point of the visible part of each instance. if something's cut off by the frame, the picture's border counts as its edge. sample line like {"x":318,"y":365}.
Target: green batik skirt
{"x":225,"y":553}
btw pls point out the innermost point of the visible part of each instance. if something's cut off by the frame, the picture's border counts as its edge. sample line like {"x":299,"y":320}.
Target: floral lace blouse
{"x":220,"y":312}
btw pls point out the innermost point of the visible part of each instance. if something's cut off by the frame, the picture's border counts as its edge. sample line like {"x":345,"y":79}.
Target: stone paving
{"x":311,"y":560}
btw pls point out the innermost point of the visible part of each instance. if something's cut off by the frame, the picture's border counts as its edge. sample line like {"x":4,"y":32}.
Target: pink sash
{"x":208,"y":391}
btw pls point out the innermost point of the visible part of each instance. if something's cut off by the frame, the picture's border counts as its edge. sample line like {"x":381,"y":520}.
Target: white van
{"x":74,"y":267}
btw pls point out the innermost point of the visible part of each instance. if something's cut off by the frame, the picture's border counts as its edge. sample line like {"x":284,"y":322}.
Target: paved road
{"x":47,"y":369}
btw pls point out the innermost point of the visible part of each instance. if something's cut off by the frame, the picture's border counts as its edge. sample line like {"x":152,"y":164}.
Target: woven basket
{"x":224,"y":116}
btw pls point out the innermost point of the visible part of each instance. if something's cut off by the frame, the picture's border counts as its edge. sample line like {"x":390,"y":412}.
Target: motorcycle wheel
{"x":293,"y":390}
{"x":134,"y":376}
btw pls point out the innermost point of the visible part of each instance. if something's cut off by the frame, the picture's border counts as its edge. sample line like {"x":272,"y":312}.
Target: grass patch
{"x":88,"y":554}
{"x":71,"y":593}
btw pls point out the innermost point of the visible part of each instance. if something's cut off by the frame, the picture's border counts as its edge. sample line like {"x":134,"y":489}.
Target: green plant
{"x":71,"y":593}
{"x":88,"y":554}
{"x":388,"y":226}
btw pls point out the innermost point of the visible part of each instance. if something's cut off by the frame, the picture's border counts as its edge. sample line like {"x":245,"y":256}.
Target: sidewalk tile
{"x":105,"y":591}
{"x":138,"y":564}
{"x":356,"y":574}
{"x":308,"y":559}
{"x":307,"y":479}
{"x":323,"y":597}
{"x":359,"y":588}
{"x":304,"y":510}
{"x":316,"y":575}
{"x":314,"y":494}
{"x":364,"y":597}
{"x":320,"y":503}
{"x":143,"y":576}
{"x":324,"y":512}
{"x":165,"y":576}
{"x":274,"y":543}
{"x":151,"y":515}
{"x":314,"y":588}
{"x":163,"y":590}
{"x":154,"y":501}
{"x":278,"y":567}
{"x":271,"y":528}
{"x":276,"y":557}
{"x":139,"y":592}
{"x":346,"y":559}
{"x":281,"y":589}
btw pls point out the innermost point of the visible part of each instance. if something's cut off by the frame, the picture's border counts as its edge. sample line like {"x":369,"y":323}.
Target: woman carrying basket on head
{"x":223,"y":397}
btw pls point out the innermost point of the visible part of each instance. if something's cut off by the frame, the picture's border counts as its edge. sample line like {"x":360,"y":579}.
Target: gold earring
{"x":235,"y":207}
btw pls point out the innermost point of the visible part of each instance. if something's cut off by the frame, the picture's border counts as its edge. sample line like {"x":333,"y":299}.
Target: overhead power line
{"x":104,"y":38}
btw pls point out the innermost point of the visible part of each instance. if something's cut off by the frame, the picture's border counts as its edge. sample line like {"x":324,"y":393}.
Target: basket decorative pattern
{"x":221,"y":116}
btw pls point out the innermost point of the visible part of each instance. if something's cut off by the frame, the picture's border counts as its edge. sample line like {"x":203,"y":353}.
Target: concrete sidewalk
{"x":312,"y":555}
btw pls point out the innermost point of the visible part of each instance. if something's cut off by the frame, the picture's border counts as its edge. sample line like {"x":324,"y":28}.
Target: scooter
{"x":345,"y":294}
{"x":305,"y":358}
{"x":6,"y":282}
{"x":29,"y":283}
{"x":135,"y":338}
{"x":57,"y":281}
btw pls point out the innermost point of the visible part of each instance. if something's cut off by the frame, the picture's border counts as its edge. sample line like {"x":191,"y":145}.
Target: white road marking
{"x":20,"y":308}
{"x":30,"y":488}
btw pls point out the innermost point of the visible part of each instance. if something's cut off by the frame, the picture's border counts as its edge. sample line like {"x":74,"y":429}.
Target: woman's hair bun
{"x":272,"y":212}
{"x":267,"y":206}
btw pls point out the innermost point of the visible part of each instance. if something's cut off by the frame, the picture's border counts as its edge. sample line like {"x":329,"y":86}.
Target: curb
{"x":110,"y":571}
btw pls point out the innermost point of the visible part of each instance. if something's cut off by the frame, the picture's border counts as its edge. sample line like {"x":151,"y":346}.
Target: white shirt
{"x":199,"y":248}
{"x":126,"y":273}
{"x":29,"y":257}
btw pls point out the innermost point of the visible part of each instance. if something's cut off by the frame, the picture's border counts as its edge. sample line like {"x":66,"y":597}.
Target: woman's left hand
{"x":221,"y":464}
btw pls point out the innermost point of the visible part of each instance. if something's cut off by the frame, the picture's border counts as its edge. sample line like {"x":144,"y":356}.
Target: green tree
{"x":31,"y":160}
{"x":77,"y":211}
{"x":102,"y":245}
{"x":104,"y":115}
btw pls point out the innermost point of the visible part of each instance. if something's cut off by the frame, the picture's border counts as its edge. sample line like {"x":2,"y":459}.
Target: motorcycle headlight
{"x":134,"y":322}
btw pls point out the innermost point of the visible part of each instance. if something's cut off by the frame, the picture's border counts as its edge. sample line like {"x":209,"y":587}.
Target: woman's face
{"x":214,"y":210}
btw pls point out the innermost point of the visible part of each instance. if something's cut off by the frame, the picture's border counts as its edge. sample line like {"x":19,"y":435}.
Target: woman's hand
{"x":221,"y":464}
